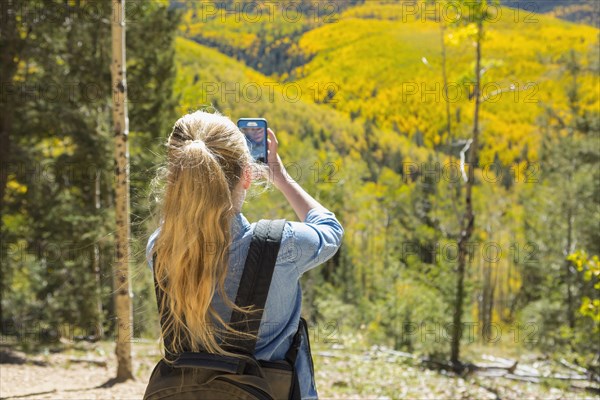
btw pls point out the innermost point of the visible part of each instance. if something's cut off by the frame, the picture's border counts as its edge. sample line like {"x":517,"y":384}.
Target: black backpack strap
{"x":255,"y":282}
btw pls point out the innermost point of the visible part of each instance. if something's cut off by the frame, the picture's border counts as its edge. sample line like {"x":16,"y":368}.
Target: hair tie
{"x":195,"y":142}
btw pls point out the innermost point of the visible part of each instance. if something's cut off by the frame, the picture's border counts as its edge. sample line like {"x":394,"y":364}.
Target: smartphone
{"x":255,"y":130}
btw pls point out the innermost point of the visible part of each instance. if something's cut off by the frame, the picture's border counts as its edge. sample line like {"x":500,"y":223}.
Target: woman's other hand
{"x":277,"y":172}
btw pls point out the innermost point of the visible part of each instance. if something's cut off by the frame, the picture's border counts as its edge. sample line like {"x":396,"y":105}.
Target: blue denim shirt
{"x":304,"y":245}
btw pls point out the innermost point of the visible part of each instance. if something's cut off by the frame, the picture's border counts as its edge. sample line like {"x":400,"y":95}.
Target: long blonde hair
{"x":206,"y":157}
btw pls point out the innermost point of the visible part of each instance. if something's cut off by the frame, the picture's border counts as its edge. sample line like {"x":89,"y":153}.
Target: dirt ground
{"x":79,"y":382}
{"x":67,"y":376}
{"x":84,"y":371}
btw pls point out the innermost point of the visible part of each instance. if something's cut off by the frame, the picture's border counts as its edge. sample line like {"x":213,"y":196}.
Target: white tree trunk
{"x":122,"y":288}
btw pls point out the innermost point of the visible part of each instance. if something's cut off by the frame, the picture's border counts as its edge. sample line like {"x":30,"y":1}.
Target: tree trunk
{"x":574,"y":68}
{"x":485,"y":292}
{"x":96,"y":265}
{"x":468,"y":219}
{"x":486,"y":306}
{"x":568,"y":279}
{"x":122,"y":289}
{"x":445,"y":79}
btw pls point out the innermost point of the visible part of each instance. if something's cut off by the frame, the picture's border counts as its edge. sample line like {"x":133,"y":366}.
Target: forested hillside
{"x":382,"y":63}
{"x":379,"y":68}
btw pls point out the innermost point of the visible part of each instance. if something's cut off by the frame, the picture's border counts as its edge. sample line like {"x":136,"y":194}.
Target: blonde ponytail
{"x":206,"y":156}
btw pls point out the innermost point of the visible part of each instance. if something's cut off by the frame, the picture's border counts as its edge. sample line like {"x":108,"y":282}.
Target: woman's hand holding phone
{"x":278,"y":175}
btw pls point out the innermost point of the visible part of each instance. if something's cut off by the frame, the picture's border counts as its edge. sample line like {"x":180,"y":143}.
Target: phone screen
{"x":255,"y":130}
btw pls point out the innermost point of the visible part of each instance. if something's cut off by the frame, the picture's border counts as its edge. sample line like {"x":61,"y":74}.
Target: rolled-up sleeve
{"x":312,"y":242}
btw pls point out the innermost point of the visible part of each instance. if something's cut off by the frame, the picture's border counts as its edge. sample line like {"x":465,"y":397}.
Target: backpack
{"x":194,"y":375}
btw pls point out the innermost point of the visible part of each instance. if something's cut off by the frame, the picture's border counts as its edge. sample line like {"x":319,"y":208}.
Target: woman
{"x":203,"y":240}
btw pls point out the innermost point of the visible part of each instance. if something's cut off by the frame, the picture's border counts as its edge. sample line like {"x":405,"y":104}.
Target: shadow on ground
{"x":9,"y":356}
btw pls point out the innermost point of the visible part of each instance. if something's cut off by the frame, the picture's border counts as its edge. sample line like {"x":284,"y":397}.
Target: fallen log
{"x":590,"y":374}
{"x":99,"y":363}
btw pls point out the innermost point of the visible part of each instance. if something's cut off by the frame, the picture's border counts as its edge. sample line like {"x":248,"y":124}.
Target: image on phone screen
{"x":255,"y":131}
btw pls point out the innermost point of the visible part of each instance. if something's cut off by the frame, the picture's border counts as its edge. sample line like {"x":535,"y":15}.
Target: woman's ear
{"x":247,"y":178}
